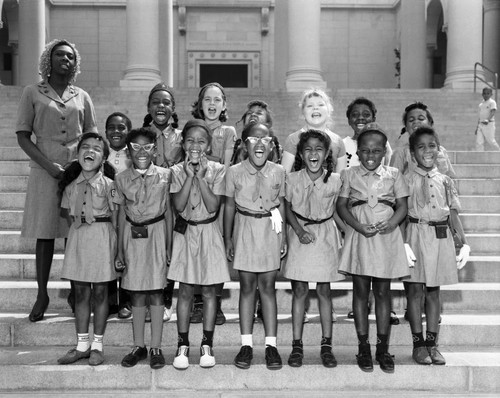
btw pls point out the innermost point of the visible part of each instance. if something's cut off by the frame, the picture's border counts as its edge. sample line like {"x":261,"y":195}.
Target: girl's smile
{"x":161,"y":107}
{"x":255,"y":115}
{"x":315,"y":111}
{"x":371,"y":151}
{"x":90,"y":156}
{"x":416,"y":118}
{"x":196,"y":144}
{"x":259,"y":146}
{"x":213,"y":103}
{"x":116,"y":132}
{"x":426,"y":152}
{"x":141,"y":158}
{"x":359,"y":117}
{"x":313,"y":155}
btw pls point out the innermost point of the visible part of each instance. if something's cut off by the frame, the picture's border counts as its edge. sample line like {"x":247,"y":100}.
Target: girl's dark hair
{"x":263,"y":105}
{"x":148,"y":119}
{"x":417,"y":105}
{"x":197,"y":110}
{"x":424,"y":130}
{"x":304,"y":137}
{"x":145,"y":132}
{"x":74,"y":169}
{"x":372,"y":128}
{"x":128,"y":123}
{"x":197,"y":123}
{"x":361,"y":101}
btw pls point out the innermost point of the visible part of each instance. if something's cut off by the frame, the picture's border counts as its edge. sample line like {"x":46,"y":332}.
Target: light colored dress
{"x":257,"y":246}
{"x":317,"y":261}
{"x":199,"y":256}
{"x":382,"y":255}
{"x":91,"y":248}
{"x":144,"y":197}
{"x":120,"y":160}
{"x":223,"y":138}
{"x":57,"y":123}
{"x":169,"y":146}
{"x":436,"y":264}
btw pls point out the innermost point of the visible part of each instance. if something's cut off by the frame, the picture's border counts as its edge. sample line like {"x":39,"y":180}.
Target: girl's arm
{"x":24,"y":141}
{"x":120,"y":255}
{"x":457,"y":224}
{"x":229,"y":211}
{"x":66,"y":216}
{"x":169,"y":218}
{"x":287,"y":161}
{"x":284,"y":243}
{"x":387,"y":226}
{"x":181,"y":198}
{"x":364,"y":229}
{"x":228,"y":154}
{"x":211,"y":200}
{"x":304,"y":236}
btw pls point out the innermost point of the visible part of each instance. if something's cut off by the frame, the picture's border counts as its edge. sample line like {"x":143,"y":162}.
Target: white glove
{"x":463,"y":256}
{"x":410,"y":256}
{"x":276,"y":220}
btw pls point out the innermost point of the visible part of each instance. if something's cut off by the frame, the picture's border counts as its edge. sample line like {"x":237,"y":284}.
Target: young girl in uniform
{"x":433,"y":199}
{"x":198,"y":256}
{"x":316,"y":109}
{"x":372,"y":202}
{"x":91,"y":246}
{"x":144,"y":241}
{"x":313,"y":239}
{"x":211,"y":106}
{"x":255,"y":190}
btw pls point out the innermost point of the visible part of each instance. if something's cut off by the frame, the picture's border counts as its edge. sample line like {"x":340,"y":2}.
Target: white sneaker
{"x":167,"y":314}
{"x":334,"y":316}
{"x":207,"y":359}
{"x":306,"y":318}
{"x":181,"y":360}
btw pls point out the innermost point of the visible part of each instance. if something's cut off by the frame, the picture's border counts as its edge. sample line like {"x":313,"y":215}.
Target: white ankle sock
{"x":83,"y":342}
{"x":97,"y":342}
{"x":246,"y":339}
{"x":270,"y":340}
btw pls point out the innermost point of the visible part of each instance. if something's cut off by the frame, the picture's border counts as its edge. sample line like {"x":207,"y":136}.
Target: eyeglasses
{"x":138,"y":147}
{"x":263,"y":140}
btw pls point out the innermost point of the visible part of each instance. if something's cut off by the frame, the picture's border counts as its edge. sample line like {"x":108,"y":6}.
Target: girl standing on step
{"x":316,"y":109}
{"x":313,"y":238}
{"x":255,"y":190}
{"x":91,"y":247}
{"x":198,"y":256}
{"x":372,"y":202}
{"x":57,"y":113}
{"x":144,"y":241}
{"x":433,"y":201}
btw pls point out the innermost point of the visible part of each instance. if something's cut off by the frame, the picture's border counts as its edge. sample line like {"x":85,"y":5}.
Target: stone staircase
{"x":469,"y":333}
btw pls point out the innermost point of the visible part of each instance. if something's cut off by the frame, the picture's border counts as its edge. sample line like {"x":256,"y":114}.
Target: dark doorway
{"x":228,"y":75}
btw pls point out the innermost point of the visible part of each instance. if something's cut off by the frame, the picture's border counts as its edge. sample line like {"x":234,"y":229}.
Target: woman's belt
{"x":206,"y":221}
{"x":254,"y":215}
{"x":100,"y":219}
{"x":309,"y":221}
{"x":148,"y":222}
{"x":362,"y":202}
{"x":431,"y":223}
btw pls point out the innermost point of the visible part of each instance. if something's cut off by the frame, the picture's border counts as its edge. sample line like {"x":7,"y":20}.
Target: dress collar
{"x":91,"y":181}
{"x":365,"y":172}
{"x":423,"y":173}
{"x":252,"y":170}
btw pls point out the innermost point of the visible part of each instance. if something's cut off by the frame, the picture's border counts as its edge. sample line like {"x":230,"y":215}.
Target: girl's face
{"x":426,"y":152}
{"x":361,"y":114}
{"x":212,"y":103}
{"x":63,"y":60}
{"x":256,"y":114}
{"x":416,"y":118}
{"x":91,"y":156}
{"x":315,"y":111}
{"x":196,"y":143}
{"x":116,"y":132}
{"x":142,"y":151}
{"x":371,"y":151}
{"x":313,"y":155}
{"x":161,"y":107}
{"x":259,"y":145}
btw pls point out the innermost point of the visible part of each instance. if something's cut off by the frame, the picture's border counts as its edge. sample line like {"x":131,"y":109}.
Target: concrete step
{"x":487,"y":244}
{"x":13,"y":183}
{"x":20,"y":296}
{"x":14,"y":168}
{"x":469,"y":371}
{"x":12,"y":153}
{"x":477,"y":170}
{"x":11,"y":242}
{"x":12,"y":200}
{"x":473,"y":157}
{"x":481,"y":222}
{"x":11,"y":219}
{"x":477,"y":204}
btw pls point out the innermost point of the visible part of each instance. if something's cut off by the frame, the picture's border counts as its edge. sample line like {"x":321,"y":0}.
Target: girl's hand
{"x":384,"y":227}
{"x":120,"y":263}
{"x":410,"y":256}
{"x":367,"y":230}
{"x":306,"y":237}
{"x":202,"y":167}
{"x":463,"y":256}
{"x":284,"y":248}
{"x":188,"y":167}
{"x":229,"y":250}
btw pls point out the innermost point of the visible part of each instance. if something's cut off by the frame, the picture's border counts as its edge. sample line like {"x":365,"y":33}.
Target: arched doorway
{"x":436,"y":45}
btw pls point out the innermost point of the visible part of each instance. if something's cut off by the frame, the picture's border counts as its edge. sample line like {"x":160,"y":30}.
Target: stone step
{"x":11,"y":242}
{"x":12,"y":200}
{"x":477,"y":170}
{"x":11,"y":219}
{"x":472,"y":157}
{"x":12,"y":153}
{"x":14,"y":168}
{"x":484,"y":243}
{"x":20,"y":296}
{"x":13,"y":183}
{"x":468,"y":372}
{"x":478,"y":186}
{"x":476,"y":204}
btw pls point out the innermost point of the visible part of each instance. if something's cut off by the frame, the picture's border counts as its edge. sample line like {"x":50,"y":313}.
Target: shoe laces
{"x":135,"y":349}
{"x":155,"y":351}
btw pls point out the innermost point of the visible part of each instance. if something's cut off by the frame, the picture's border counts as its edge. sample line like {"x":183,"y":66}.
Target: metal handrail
{"x":494,"y":87}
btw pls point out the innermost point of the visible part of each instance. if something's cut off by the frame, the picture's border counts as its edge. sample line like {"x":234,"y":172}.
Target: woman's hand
{"x":367,"y":230}
{"x":384,"y":227}
{"x":306,"y":237}
{"x":56,"y":170}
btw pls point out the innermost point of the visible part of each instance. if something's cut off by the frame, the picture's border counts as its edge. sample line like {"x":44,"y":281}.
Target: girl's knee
{"x":100,"y":293}
{"x":208,"y":292}
{"x":300,"y":289}
{"x":185,"y":291}
{"x":323,"y":290}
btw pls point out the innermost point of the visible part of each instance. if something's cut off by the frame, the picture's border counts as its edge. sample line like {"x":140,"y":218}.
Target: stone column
{"x":31,"y":39}
{"x":413,"y":44}
{"x":304,"y":66}
{"x":143,"y":70}
{"x":464,"y":32}
{"x":491,"y":45}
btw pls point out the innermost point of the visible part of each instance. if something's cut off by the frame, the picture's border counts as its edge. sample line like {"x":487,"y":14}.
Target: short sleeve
{"x":219,"y":184}
{"x":346,"y":187}
{"x":398,"y":159}
{"x":281,"y":193}
{"x":339,"y":143}
{"x":229,"y":183}
{"x":493,"y":104}
{"x":444,"y":164}
{"x":118,"y":197}
{"x":290,"y":145}
{"x":26,"y":111}
{"x":89,"y":122}
{"x":288,"y":188}
{"x":178,"y":177}
{"x":401,"y":189}
{"x":230,"y":138}
{"x":65,"y":199}
{"x":454,"y":202}
{"x":111,"y":196}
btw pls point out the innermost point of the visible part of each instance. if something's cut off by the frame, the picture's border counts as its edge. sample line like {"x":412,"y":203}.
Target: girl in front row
{"x":372,"y":202}
{"x":313,"y":239}
{"x":144,"y":241}
{"x":91,"y":246}
{"x":255,"y":190}
{"x":198,"y":256}
{"x":433,"y":200}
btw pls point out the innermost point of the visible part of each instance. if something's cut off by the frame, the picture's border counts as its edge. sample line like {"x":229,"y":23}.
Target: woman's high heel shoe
{"x":38,"y":311}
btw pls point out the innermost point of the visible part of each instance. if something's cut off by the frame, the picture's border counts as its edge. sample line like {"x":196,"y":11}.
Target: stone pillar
{"x":15,"y":64}
{"x":413,"y":44}
{"x":491,"y":45}
{"x":143,"y":70}
{"x":304,"y":65}
{"x":464,"y":32}
{"x":31,"y":39}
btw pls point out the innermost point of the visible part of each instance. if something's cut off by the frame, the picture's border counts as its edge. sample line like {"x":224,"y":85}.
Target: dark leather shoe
{"x":386,"y":362}
{"x":365,"y":361}
{"x":156,"y":358}
{"x":137,"y":354}
{"x":96,"y":357}
{"x":328,"y":359}
{"x":394,"y":318}
{"x":273,"y":359}
{"x":73,"y":355}
{"x":38,"y":311}
{"x":295,"y":358}
{"x":244,"y":358}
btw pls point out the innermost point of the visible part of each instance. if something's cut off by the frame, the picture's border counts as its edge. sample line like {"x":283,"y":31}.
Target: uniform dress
{"x":91,"y":248}
{"x":120,"y":160}
{"x":436,"y":264}
{"x":317,"y":261}
{"x":257,"y":246}
{"x":144,"y":197}
{"x":382,"y":255}
{"x":169,"y":146}
{"x":199,"y":256}
{"x":223,"y":139}
{"x":57,"y":123}
{"x":337,"y":145}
